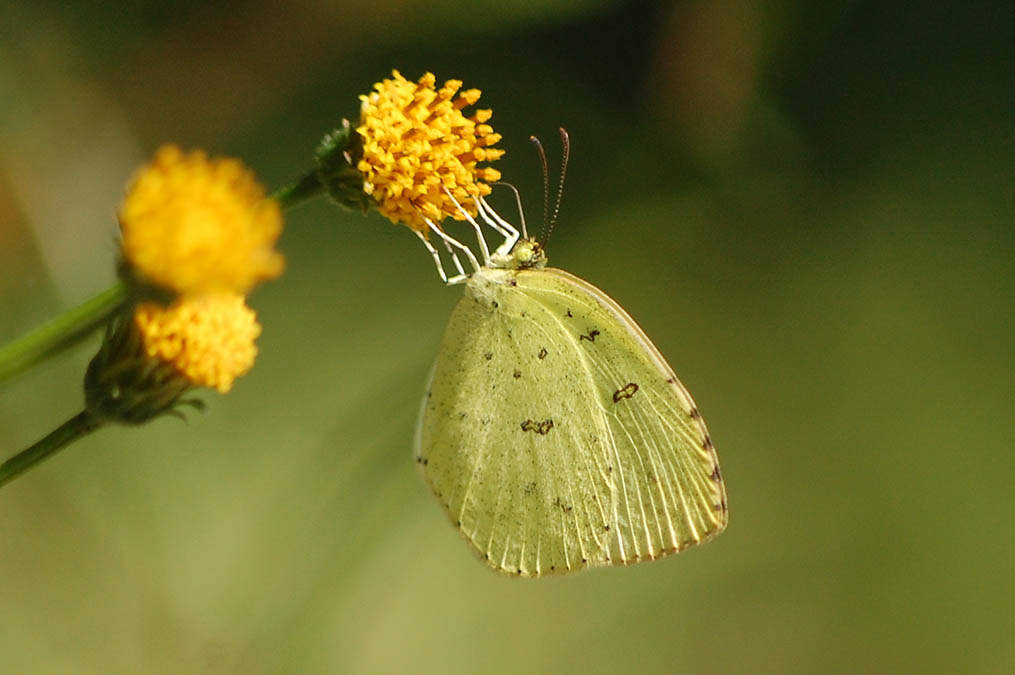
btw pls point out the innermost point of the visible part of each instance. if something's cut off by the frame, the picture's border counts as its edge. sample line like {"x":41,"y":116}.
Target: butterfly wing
{"x":556,"y":436}
{"x":668,"y":490}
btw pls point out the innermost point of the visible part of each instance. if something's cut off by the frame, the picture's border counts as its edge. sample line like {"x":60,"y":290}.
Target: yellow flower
{"x":416,"y":143}
{"x":193,"y":224}
{"x":209,"y":339}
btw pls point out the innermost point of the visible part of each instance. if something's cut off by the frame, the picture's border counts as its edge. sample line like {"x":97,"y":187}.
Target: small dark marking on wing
{"x":695,"y":414}
{"x":716,"y":476}
{"x":542,"y":353}
{"x":670,"y":380}
{"x":591,"y":336}
{"x":518,"y":374}
{"x":569,"y":314}
{"x":512,"y":282}
{"x":560,"y":504}
{"x":495,"y":304}
{"x":627,"y":391}
{"x":530,"y":487}
{"x":606,"y":527}
{"x":707,"y":443}
{"x":541,"y":428}
{"x":488,"y":355}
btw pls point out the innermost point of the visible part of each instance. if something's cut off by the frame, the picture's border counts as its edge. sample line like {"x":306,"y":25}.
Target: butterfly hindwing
{"x":669,"y":492}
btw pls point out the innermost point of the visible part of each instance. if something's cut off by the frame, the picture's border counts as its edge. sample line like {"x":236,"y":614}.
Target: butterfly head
{"x":527,"y":254}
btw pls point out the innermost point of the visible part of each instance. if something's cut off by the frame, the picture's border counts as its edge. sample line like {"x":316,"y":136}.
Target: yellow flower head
{"x":416,"y":143}
{"x":193,"y":224}
{"x":209,"y":339}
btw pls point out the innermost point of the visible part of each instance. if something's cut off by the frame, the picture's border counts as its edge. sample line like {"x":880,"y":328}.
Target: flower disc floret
{"x":417,"y":146}
{"x":193,"y":224}
{"x":209,"y":339}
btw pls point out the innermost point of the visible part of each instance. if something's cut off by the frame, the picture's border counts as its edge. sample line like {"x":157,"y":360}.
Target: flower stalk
{"x":61,"y":332}
{"x":73,"y":429}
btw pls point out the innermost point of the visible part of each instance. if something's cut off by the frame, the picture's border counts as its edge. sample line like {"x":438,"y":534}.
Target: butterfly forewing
{"x":557,"y":437}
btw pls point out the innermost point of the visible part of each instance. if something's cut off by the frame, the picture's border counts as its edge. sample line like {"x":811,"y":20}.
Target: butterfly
{"x":555,"y":434}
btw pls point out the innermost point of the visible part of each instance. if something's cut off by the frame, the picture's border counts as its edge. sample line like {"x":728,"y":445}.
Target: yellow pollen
{"x":193,"y":224}
{"x":416,"y":142}
{"x":209,"y":339}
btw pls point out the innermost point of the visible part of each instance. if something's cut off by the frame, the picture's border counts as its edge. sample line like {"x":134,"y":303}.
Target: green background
{"x":808,"y":206}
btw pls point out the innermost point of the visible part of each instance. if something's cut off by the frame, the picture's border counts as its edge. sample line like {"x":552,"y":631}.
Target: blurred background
{"x":808,"y":206}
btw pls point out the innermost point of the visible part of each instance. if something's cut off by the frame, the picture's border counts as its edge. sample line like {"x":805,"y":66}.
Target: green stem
{"x":76,"y":427}
{"x":60,"y":332}
{"x":306,"y":187}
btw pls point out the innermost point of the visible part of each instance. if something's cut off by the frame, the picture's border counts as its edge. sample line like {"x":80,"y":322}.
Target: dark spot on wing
{"x":606,"y":527}
{"x":419,"y":460}
{"x":541,"y":428}
{"x":488,"y":356}
{"x":518,"y":374}
{"x":670,"y":380}
{"x":542,"y":353}
{"x":512,"y":282}
{"x":591,"y":336}
{"x":707,"y":443}
{"x":627,"y":391}
{"x":569,"y":314}
{"x":564,"y":507}
{"x":495,"y":304}
{"x":462,"y":415}
{"x":716,"y":476}
{"x":530,"y":488}
{"x":695,"y":414}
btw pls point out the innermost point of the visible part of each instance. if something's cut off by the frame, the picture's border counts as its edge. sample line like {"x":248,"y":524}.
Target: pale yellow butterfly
{"x":553,"y":432}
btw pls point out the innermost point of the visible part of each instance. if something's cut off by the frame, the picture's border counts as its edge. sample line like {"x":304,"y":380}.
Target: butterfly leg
{"x":501,"y":226}
{"x":450,"y":242}
{"x":437,"y":262}
{"x":472,"y":221}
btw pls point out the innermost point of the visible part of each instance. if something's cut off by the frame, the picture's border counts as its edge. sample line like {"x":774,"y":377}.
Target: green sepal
{"x":125,"y":385}
{"x":337,"y":156}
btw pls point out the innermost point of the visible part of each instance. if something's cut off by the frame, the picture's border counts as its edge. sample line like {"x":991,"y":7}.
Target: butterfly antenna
{"x":565,"y":142}
{"x":546,"y":181}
